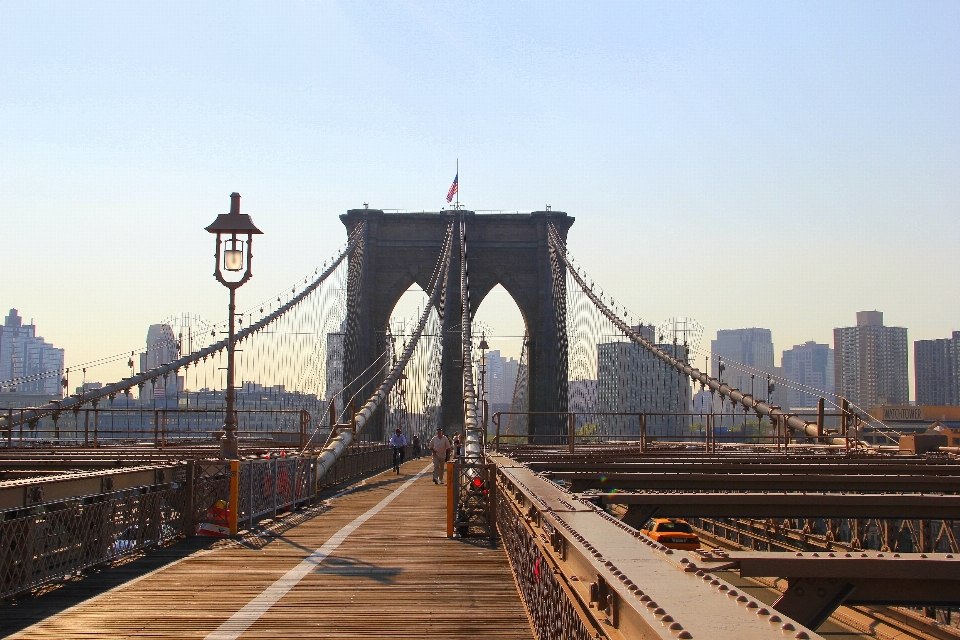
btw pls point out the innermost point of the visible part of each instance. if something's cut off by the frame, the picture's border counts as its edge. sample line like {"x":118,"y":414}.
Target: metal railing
{"x":471,"y":509}
{"x":268,"y":487}
{"x":705,"y":430}
{"x":48,"y":541}
{"x":158,"y":426}
{"x":555,"y":610}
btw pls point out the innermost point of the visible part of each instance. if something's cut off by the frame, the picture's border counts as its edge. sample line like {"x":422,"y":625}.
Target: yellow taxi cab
{"x":673,"y":533}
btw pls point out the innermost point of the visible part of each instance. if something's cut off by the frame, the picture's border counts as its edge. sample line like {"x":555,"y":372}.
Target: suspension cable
{"x":339,"y":444}
{"x":735,"y":396}
{"x":473,"y":445}
{"x":94,"y":395}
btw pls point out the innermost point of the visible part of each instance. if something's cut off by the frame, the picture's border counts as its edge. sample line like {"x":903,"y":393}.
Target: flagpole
{"x":458,"y":183}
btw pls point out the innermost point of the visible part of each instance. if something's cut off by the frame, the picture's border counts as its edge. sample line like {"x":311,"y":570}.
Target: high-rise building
{"x":28,"y":364}
{"x":810,"y":365}
{"x":870,"y":362}
{"x":743,"y":359}
{"x":630,"y":379}
{"x":937,"y":368}
{"x":751,"y":347}
{"x":162,"y":348}
{"x":501,"y":378}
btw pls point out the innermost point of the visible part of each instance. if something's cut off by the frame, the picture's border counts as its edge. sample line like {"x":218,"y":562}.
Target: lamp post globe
{"x":232,"y":259}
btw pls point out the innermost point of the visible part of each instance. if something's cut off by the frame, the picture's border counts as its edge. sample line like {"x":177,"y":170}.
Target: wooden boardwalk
{"x":394,"y":575}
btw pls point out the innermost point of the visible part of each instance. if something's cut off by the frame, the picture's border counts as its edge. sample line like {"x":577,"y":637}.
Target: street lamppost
{"x":483,"y":379}
{"x":230,"y":258}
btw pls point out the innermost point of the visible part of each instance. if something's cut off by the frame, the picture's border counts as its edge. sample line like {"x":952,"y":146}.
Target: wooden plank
{"x":397,"y":576}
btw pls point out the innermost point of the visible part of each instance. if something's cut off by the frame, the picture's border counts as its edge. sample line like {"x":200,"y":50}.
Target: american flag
{"x":453,"y":189}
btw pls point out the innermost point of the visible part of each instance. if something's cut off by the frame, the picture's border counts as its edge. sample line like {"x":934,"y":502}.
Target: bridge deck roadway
{"x":371,"y":563}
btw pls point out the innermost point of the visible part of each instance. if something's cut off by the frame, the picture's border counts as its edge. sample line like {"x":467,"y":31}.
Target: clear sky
{"x":770,"y":164}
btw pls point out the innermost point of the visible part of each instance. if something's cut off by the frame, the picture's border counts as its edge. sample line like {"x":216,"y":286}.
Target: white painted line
{"x":253,"y":610}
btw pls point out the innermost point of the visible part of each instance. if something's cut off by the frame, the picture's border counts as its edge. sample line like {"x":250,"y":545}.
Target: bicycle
{"x":397,"y":458}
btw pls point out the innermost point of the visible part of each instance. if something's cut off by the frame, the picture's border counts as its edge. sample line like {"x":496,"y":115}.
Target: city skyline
{"x":819,"y":140}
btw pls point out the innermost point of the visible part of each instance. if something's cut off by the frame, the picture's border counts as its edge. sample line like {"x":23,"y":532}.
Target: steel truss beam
{"x":772,"y":481}
{"x":628,"y":586}
{"x":702,"y":504}
{"x":819,"y":583}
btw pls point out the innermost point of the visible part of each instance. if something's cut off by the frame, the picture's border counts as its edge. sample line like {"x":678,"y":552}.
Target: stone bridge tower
{"x":510,"y":249}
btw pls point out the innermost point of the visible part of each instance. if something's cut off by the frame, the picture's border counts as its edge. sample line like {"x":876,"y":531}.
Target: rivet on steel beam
{"x":802,"y":635}
{"x":700,"y":572}
{"x":774,"y":618}
{"x":644,"y":598}
{"x":714,"y":582}
{"x":652,"y":605}
{"x":676,"y":626}
{"x":723,"y":587}
{"x":686,"y":635}
{"x":752,"y":605}
{"x":733,"y":592}
{"x":741,"y":598}
{"x":666,"y":618}
{"x":786,"y":626}
{"x":633,"y":587}
{"x":763,"y":611}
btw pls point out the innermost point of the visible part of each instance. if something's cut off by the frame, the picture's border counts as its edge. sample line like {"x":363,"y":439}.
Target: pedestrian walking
{"x":457,"y":445}
{"x":439,"y":445}
{"x":416,"y":446}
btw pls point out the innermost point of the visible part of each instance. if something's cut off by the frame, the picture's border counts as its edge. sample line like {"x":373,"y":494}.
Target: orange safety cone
{"x":217,"y":521}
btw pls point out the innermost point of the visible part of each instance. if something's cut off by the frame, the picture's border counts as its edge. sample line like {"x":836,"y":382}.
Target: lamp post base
{"x":229,"y":447}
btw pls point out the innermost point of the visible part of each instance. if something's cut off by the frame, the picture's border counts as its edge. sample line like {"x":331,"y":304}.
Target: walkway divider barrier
{"x":471,"y":498}
{"x":266,"y":487}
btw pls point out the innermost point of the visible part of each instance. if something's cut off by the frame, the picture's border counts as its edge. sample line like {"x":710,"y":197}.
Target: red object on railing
{"x":217,"y":521}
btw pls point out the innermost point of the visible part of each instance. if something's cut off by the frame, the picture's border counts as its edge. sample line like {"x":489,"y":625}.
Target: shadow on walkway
{"x":21,"y":612}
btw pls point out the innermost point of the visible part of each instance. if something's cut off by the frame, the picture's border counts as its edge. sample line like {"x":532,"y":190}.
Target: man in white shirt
{"x":398,"y":442}
{"x":439,"y":445}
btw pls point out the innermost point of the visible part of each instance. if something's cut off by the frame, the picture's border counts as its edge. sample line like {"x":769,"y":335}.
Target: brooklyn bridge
{"x":221,"y":508}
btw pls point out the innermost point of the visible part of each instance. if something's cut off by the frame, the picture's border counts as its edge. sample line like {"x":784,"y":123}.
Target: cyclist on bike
{"x":398,"y":442}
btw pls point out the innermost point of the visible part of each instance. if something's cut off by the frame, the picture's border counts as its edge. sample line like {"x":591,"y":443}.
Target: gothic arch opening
{"x":500,"y":320}
{"x":413,"y":405}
